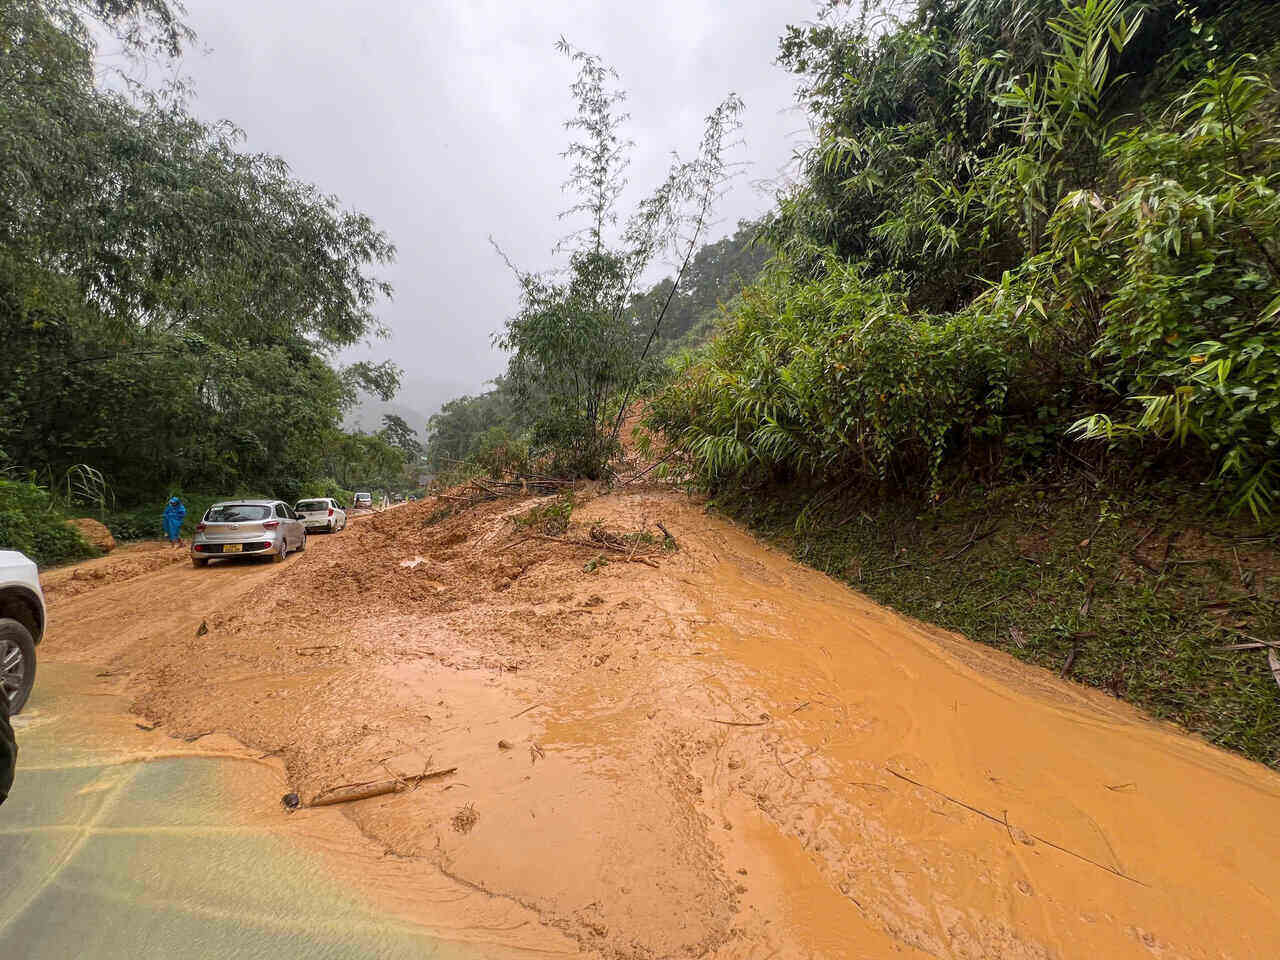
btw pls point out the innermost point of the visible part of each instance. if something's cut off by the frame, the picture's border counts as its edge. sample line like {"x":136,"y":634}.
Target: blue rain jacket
{"x":174,"y":514}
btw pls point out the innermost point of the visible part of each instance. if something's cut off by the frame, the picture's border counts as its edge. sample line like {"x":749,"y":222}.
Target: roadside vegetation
{"x":173,"y":305}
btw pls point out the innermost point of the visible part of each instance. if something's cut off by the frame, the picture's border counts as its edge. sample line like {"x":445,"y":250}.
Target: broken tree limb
{"x":596,"y":545}
{"x":738,"y":723}
{"x":348,"y":792}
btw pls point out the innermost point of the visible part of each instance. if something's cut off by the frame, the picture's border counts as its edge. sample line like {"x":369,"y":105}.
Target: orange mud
{"x":726,"y":756}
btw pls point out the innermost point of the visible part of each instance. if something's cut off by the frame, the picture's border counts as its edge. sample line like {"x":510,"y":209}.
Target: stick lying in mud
{"x":1004,"y":822}
{"x":348,"y":792}
{"x":595,"y":545}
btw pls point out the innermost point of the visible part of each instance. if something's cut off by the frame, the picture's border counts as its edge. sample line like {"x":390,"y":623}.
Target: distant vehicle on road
{"x":236,"y":528}
{"x":363,"y":501}
{"x":21,"y":627}
{"x":324,"y":513}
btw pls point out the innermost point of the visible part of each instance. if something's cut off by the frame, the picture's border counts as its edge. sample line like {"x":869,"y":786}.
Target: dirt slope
{"x":722,"y":755}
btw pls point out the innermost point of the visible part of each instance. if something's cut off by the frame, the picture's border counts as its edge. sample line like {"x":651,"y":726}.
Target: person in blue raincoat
{"x":174,"y":513}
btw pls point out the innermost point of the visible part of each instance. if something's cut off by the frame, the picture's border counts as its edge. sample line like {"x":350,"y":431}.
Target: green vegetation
{"x":551,"y":518}
{"x":492,"y":431}
{"x":1144,"y":592}
{"x":173,"y":306}
{"x":577,"y":355}
{"x":1024,"y":227}
{"x":32,"y":522}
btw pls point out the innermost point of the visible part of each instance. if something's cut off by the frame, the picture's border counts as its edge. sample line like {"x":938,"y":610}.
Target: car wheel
{"x":303,"y":544}
{"x":199,"y":561}
{"x":279,"y":555}
{"x":17,"y":663}
{"x":333,"y":527}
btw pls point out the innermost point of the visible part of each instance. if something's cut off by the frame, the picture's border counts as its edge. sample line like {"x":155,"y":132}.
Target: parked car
{"x":363,"y":500}
{"x":236,"y":528}
{"x":322,"y":514}
{"x":21,"y":627}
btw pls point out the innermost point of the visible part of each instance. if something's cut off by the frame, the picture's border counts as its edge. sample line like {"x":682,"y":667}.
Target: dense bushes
{"x":836,"y":375}
{"x":32,"y":523}
{"x":996,"y":243}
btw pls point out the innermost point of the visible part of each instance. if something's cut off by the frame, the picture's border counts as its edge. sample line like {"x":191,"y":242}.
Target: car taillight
{"x":199,"y":548}
{"x":331,"y":511}
{"x":270,"y":524}
{"x":200,"y":526}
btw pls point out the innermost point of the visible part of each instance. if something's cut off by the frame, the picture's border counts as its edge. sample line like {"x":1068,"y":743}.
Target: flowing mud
{"x":713,"y":752}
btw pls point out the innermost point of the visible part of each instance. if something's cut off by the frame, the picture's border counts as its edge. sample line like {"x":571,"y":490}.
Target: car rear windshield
{"x":307,"y":506}
{"x":237,"y":513}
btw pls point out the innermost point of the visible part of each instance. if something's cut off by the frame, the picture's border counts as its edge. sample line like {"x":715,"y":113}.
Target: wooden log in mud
{"x":349,"y":792}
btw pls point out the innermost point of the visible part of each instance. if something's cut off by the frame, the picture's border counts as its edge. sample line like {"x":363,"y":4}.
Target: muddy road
{"x":706,"y":751}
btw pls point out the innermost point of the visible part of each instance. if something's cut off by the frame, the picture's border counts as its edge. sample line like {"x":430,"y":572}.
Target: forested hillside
{"x":1024,"y":226}
{"x":172,"y":304}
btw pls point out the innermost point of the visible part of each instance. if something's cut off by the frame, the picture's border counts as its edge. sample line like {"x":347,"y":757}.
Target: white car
{"x":364,"y":500}
{"x":323,"y":513}
{"x":21,"y":627}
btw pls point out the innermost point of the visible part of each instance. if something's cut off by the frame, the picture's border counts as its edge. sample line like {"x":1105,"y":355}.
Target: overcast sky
{"x":443,"y":121}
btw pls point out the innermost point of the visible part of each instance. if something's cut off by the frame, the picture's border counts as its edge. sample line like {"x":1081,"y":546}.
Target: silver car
{"x":237,"y":528}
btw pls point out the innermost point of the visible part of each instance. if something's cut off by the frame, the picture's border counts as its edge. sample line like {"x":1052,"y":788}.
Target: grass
{"x":1144,"y":588}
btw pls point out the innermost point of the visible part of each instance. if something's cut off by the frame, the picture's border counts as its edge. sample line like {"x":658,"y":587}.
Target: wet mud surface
{"x":721,"y":755}
{"x":121,"y":843}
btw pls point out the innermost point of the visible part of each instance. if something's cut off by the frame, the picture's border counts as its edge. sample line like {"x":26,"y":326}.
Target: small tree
{"x":574,"y":351}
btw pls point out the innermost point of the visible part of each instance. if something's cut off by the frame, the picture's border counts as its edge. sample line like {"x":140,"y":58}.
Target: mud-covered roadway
{"x":707,"y":751}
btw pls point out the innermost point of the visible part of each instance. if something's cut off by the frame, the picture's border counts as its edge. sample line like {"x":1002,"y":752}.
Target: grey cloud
{"x":444,"y":123}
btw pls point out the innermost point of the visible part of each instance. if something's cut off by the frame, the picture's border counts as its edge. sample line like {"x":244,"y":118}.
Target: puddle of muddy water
{"x":119,"y":842}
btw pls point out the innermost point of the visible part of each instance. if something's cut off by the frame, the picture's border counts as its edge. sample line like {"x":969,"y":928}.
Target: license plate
{"x":232,"y":547}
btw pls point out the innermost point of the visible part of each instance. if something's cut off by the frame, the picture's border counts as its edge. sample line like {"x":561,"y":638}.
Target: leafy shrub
{"x":551,"y":518}
{"x":500,"y":452}
{"x":31,"y":523}
{"x":835,"y":375}
{"x":1183,"y":264}
{"x":1054,"y":259}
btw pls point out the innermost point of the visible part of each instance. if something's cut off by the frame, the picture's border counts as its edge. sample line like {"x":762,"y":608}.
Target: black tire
{"x":303,"y":545}
{"x":199,"y":561}
{"x":279,"y":555}
{"x":17,"y":664}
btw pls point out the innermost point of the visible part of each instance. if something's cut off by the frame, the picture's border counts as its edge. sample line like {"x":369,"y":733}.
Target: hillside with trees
{"x":173,"y":306}
{"x":1023,"y":226}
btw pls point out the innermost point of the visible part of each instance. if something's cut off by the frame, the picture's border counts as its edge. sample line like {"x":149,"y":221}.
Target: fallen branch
{"x":648,"y":468}
{"x":525,"y":710}
{"x":975,"y":537}
{"x":738,"y":723}
{"x":1003,"y":821}
{"x":348,"y":792}
{"x":596,"y":545}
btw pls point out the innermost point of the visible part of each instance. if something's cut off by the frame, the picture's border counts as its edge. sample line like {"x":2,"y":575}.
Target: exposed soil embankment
{"x":718,"y":754}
